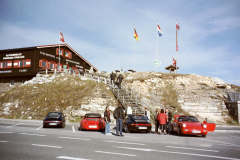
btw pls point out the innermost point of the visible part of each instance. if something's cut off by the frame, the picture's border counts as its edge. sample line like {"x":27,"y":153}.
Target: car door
{"x":210,"y":125}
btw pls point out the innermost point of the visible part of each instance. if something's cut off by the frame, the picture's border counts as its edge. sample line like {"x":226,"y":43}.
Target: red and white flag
{"x":177,"y":29}
{"x":61,"y":37}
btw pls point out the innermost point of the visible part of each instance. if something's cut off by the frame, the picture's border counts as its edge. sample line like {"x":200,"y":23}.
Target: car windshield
{"x":188,"y":118}
{"x":54,"y":114}
{"x":93,"y":116}
{"x":138,"y":117}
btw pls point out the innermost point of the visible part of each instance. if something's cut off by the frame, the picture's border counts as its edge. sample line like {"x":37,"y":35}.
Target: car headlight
{"x":184,"y":125}
{"x":204,"y":126}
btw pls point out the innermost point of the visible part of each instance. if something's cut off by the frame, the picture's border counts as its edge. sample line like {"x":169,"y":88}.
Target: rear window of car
{"x":93,"y":116}
{"x":92,"y":119}
{"x":54,"y":114}
{"x":188,"y":118}
{"x":136,"y":117}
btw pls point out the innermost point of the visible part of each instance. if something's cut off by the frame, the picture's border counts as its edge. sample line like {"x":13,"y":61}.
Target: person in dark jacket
{"x":169,"y":115}
{"x":156,"y":121}
{"x":119,"y":115}
{"x":107,"y":121}
{"x":112,"y":77}
{"x":119,"y":79}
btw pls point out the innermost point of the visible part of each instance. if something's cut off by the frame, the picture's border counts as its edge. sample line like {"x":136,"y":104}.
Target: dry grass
{"x":37,"y":100}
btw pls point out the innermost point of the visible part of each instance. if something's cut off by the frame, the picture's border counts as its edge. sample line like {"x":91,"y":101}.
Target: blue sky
{"x":102,"y":32}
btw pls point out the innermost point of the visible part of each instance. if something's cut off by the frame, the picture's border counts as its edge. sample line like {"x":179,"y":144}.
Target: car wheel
{"x":126,"y":129}
{"x":80,"y":129}
{"x":179,"y":132}
{"x":204,"y":135}
{"x":148,"y":132}
{"x":44,"y":126}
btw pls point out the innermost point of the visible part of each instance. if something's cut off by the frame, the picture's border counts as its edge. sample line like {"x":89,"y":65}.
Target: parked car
{"x":92,"y":121}
{"x":56,"y":119}
{"x":136,"y":123}
{"x":190,"y":125}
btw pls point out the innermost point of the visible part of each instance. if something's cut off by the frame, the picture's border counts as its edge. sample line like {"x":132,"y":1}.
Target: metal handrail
{"x":233,"y":96}
{"x":119,"y":93}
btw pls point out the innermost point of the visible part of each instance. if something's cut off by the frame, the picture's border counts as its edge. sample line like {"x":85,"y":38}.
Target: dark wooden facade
{"x":22,"y":64}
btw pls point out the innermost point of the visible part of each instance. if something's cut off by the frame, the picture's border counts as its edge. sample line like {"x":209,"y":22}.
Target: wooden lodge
{"x":21,"y":64}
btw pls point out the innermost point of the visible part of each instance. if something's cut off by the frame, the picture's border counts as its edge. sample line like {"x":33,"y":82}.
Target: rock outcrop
{"x":203,"y":97}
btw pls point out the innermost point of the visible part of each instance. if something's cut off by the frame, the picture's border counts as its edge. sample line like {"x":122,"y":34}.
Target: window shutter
{"x":40,"y":63}
{"x":15,"y":64}
{"x":48,"y":65}
{"x":56,"y":51}
{"x":9,"y":64}
{"x":28,"y":62}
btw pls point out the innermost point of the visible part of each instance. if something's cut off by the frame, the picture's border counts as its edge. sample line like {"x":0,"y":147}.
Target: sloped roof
{"x":56,"y":45}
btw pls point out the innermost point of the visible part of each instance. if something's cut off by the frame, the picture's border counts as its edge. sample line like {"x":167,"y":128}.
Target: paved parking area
{"x":23,"y":139}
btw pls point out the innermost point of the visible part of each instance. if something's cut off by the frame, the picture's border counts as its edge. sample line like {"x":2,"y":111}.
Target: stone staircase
{"x":125,"y":95}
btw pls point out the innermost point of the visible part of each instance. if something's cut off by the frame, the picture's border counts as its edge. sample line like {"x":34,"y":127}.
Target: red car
{"x":92,"y":121}
{"x":190,"y":125}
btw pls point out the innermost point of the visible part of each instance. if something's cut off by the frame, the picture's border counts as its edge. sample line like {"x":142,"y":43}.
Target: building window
{"x":68,"y":54}
{"x":22,"y":63}
{"x":59,"y":66}
{"x":43,"y":63}
{"x":12,"y":82}
{"x":5,"y":64}
{"x":61,"y":51}
{"x":75,"y":70}
{"x":52,"y":65}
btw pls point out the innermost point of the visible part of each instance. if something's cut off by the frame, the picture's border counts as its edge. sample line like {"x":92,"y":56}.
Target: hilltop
{"x":197,"y":95}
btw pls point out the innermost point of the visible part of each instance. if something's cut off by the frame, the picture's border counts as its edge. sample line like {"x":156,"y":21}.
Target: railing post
{"x":55,"y":71}
{"x":46,"y":71}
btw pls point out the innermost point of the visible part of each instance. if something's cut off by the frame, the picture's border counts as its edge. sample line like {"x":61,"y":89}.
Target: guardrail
{"x":57,"y":71}
{"x":233,"y":96}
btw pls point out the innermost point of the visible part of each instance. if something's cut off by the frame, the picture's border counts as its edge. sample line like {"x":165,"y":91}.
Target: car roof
{"x":92,"y":114}
{"x":54,"y":112}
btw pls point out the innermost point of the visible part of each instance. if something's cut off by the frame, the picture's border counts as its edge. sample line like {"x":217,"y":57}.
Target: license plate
{"x":52,"y":124}
{"x":196,"y":131}
{"x":92,"y":126}
{"x":142,"y":127}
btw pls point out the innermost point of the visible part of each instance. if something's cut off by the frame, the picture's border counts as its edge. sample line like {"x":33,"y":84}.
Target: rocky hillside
{"x":203,"y":97}
{"x":196,"y":95}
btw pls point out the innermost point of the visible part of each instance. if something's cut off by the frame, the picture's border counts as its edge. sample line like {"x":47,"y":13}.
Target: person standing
{"x":119,"y":79}
{"x":112,"y":77}
{"x":162,"y":118}
{"x":169,"y":115}
{"x":119,"y":115}
{"x":147,"y":113}
{"x":107,"y":121}
{"x":129,"y":109}
{"x":156,"y":121}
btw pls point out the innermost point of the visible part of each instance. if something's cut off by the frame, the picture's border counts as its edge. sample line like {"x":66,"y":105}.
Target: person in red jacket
{"x":162,"y":118}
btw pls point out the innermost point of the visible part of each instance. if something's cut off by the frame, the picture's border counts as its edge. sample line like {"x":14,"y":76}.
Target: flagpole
{"x":59,"y":49}
{"x":134,"y":51}
{"x":176,"y":46}
{"x":157,"y":48}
